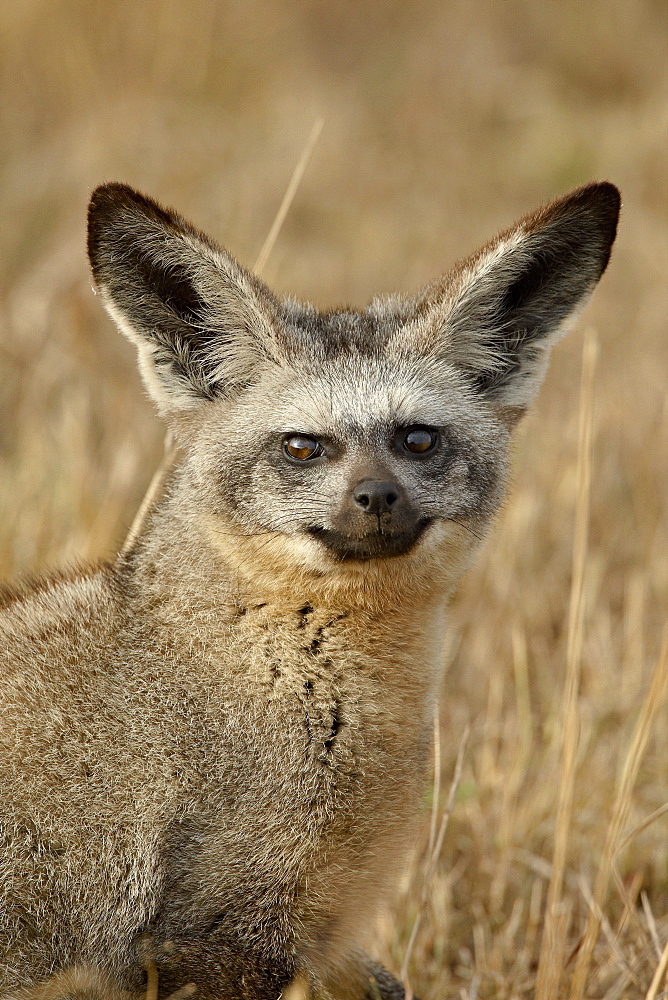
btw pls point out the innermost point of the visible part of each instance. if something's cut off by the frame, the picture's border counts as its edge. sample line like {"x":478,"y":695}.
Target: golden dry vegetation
{"x":443,"y":121}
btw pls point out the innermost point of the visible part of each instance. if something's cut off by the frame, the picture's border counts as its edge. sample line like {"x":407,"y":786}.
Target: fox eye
{"x":301,"y":449}
{"x":420,"y":440}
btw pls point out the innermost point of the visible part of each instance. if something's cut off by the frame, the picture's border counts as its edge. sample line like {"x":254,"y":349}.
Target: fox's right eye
{"x":301,"y":449}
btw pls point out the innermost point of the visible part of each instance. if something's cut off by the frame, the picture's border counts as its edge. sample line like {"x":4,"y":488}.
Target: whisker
{"x":466,"y":527}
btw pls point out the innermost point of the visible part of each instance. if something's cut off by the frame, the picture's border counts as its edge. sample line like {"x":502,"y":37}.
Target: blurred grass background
{"x":442,"y":123}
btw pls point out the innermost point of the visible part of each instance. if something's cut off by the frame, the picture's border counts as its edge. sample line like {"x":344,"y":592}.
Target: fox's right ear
{"x":201,"y":322}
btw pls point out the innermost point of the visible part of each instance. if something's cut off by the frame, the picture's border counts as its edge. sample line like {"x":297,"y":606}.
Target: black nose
{"x":376,"y":497}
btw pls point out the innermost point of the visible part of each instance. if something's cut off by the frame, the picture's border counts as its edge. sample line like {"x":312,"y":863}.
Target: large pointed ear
{"x":202,"y":324}
{"x":497,"y":317}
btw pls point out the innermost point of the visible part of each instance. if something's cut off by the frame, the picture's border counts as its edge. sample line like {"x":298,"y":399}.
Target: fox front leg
{"x":366,"y":980}
{"x":383,"y":985}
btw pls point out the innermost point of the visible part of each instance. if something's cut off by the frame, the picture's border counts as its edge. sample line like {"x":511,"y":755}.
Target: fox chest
{"x":337,"y":716}
{"x":312,"y":746}
{"x":309,"y":797}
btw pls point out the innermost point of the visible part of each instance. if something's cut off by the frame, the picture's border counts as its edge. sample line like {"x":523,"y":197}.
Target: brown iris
{"x":420,"y":440}
{"x":301,"y":448}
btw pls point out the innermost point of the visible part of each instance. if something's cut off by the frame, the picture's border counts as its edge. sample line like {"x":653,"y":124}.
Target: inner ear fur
{"x":497,"y":315}
{"x":201,"y":322}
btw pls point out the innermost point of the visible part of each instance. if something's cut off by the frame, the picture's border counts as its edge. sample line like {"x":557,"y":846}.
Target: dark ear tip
{"x":595,"y":208}
{"x":604,"y":199}
{"x":109,"y":200}
{"x":106,"y":203}
{"x":116,"y":194}
{"x":610,"y":192}
{"x":607,"y":196}
{"x":115,"y":203}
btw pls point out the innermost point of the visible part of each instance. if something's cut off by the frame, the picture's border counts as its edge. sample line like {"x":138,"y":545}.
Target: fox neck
{"x":197,"y":576}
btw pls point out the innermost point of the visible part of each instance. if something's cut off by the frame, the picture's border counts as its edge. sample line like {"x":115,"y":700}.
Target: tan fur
{"x":83,"y":983}
{"x":222,"y":738}
{"x":76,"y":982}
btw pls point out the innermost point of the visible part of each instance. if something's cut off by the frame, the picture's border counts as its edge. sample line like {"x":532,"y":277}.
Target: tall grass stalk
{"x":553,"y":945}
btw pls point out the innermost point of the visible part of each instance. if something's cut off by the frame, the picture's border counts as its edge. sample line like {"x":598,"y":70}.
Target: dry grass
{"x":442,"y":122}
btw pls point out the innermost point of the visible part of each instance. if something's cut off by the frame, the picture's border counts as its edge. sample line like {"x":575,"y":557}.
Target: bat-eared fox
{"x":219,"y":741}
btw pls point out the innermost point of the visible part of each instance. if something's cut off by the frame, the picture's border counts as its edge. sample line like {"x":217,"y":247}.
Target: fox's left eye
{"x":301,"y":449}
{"x":419,"y":440}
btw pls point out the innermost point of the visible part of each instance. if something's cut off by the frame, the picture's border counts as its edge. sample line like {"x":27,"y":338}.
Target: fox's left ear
{"x":503,"y":309}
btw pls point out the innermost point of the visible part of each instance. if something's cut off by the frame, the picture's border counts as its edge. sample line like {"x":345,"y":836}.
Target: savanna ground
{"x":442,"y":122}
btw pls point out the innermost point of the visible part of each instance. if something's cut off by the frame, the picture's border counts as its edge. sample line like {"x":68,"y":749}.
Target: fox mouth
{"x":371,"y":545}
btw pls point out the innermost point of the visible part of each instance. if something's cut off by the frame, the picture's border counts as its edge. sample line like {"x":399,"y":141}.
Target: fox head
{"x":337,"y":442}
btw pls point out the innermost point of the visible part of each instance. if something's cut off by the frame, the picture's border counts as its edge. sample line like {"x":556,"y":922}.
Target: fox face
{"x":353,"y":461}
{"x":338,"y":439}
